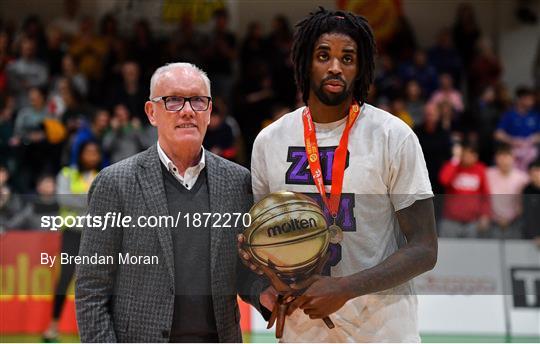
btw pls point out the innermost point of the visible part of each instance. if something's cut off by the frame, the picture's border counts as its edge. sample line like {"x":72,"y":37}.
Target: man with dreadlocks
{"x":379,"y":205}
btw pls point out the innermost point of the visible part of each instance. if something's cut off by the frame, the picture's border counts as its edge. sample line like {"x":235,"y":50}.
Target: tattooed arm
{"x":328,"y":294}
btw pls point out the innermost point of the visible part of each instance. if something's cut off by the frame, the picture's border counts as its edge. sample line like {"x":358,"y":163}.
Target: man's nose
{"x":187,"y":110}
{"x":335,"y":67}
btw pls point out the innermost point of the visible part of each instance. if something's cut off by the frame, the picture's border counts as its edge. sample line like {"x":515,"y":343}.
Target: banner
{"x":464,"y":294}
{"x":482,"y":286}
{"x":199,"y":11}
{"x":466,"y":284}
{"x":383,"y":15}
{"x":522,"y":269}
{"x":27,"y":287}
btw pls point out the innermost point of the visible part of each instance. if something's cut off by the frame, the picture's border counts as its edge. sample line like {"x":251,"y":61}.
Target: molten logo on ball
{"x":292,"y":225}
{"x":288,"y":232}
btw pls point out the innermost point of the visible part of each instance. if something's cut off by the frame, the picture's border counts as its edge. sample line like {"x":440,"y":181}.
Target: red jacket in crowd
{"x":467,"y":191}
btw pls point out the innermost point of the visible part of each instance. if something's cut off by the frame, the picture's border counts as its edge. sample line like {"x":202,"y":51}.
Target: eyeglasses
{"x":176,"y":103}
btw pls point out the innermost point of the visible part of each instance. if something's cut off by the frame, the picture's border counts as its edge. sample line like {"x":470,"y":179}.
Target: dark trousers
{"x":70,"y":245}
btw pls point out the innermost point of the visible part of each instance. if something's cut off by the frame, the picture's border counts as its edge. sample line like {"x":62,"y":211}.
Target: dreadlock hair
{"x":324,"y":21}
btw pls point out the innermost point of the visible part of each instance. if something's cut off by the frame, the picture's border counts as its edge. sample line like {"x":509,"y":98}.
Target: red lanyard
{"x":340,"y":156}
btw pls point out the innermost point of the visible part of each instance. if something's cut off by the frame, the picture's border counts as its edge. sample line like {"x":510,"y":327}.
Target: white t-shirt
{"x":385,"y":172}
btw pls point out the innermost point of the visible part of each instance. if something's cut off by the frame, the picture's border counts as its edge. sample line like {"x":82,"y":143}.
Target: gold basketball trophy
{"x":288,"y":239}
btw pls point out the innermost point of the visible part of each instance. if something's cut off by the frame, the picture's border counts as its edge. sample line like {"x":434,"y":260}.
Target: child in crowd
{"x":466,"y":207}
{"x":506,"y":184}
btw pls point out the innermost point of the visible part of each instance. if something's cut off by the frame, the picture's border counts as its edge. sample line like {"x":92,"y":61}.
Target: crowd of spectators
{"x":69,"y":82}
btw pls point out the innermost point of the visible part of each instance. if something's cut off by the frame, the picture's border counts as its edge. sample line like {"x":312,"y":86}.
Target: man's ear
{"x":210,"y":109}
{"x":150,"y":113}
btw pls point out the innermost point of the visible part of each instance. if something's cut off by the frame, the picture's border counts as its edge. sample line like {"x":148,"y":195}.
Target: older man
{"x":186,"y":275}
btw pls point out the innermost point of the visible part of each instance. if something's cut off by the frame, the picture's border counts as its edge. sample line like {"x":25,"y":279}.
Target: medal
{"x":338,"y":166}
{"x":336,"y":233}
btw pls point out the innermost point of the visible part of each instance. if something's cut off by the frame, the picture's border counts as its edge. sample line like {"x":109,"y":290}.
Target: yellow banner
{"x":382,"y":15}
{"x":199,"y":11}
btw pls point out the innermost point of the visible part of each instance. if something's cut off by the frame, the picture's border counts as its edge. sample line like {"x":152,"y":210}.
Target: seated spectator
{"x":90,"y":131}
{"x":124,"y":139}
{"x":520,"y":128}
{"x":531,"y":205}
{"x":414,"y":102}
{"x":43,"y":203}
{"x":219,"y":137}
{"x":26,"y":72}
{"x":466,"y":209}
{"x":447,"y":93}
{"x":506,"y":184}
{"x":421,"y":71}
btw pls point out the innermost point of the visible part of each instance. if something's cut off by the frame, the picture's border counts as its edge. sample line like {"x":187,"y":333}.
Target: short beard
{"x":329,"y":100}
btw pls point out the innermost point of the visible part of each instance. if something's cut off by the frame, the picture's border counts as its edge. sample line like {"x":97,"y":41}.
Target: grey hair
{"x":183,"y":65}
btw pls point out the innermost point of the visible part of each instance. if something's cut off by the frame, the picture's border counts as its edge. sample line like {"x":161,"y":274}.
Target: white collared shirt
{"x":192,"y":173}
